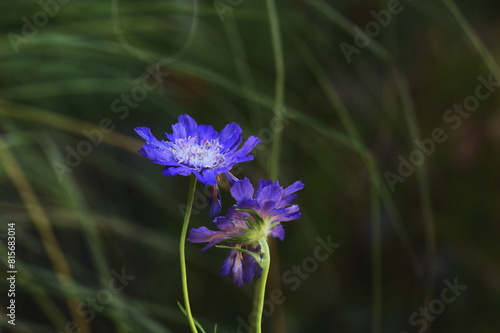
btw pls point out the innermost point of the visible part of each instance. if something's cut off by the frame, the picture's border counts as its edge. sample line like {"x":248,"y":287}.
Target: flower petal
{"x":184,"y":128}
{"x":206,"y":132}
{"x":262,"y":183}
{"x":231,"y":179}
{"x":278,"y":232}
{"x":233,"y":266}
{"x":298,"y":185}
{"x":242,"y":190}
{"x":214,"y":201}
{"x":157,"y":151}
{"x":205,"y":235}
{"x":208,"y":177}
{"x":223,"y":222}
{"x":158,"y":154}
{"x":250,"y":267}
{"x":286,"y":201}
{"x":241,"y":155}
{"x":271,"y":193}
{"x":290,"y":213}
{"x":189,"y":124}
{"x":230,"y":136}
{"x":146,"y":134}
{"x":178,"y":170}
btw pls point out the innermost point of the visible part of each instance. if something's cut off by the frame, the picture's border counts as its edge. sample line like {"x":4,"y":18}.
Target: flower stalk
{"x":182,"y":252}
{"x":265,"y":263}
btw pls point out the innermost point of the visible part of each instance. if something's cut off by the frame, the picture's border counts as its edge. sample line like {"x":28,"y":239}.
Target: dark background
{"x":85,"y":211}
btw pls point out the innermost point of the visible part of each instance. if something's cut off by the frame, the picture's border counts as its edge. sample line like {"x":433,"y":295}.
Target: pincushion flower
{"x":199,"y":150}
{"x":256,"y":215}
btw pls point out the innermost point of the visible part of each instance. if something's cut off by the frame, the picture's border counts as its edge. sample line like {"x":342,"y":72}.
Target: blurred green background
{"x":77,"y":76}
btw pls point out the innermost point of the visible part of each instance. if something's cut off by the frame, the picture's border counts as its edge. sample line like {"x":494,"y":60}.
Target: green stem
{"x":279,"y":99}
{"x":261,"y":284}
{"x":182,"y":251}
{"x":424,"y":192}
{"x":376,"y":250}
{"x":279,"y":117}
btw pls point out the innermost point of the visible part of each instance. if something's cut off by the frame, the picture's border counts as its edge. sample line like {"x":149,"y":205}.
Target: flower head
{"x":198,"y":149}
{"x":257,"y":214}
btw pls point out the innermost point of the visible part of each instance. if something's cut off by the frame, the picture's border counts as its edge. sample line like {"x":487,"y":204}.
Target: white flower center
{"x":204,"y":155}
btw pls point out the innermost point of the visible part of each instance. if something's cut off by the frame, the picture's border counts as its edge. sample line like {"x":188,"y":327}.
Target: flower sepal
{"x":256,"y":215}
{"x":256,"y":256}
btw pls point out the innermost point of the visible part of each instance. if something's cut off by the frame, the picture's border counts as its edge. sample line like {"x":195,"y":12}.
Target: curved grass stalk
{"x":144,"y":56}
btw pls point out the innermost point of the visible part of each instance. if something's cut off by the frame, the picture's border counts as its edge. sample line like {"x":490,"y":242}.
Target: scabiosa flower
{"x":255,"y":215}
{"x":199,"y":150}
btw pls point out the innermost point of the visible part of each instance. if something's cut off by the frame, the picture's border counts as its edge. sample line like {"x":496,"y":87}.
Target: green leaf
{"x":195,"y":321}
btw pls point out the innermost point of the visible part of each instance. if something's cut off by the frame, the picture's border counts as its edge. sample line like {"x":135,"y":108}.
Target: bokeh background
{"x":86,"y":212}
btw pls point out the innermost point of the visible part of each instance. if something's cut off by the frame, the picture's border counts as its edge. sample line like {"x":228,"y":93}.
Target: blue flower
{"x":254,"y":216}
{"x":199,"y":150}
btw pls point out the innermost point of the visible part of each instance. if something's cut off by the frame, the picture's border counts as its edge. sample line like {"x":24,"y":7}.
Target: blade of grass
{"x":42,"y":224}
{"x":79,"y":205}
{"x":40,"y":139}
{"x":279,"y":322}
{"x":345,"y":24}
{"x":424,"y":191}
{"x":69,"y":124}
{"x":473,"y":38}
{"x":240,"y":58}
{"x":353,"y":141}
{"x":376,"y":249}
{"x":375,"y":177}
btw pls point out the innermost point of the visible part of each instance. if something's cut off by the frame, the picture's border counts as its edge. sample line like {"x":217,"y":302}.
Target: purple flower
{"x":254,"y":216}
{"x":199,"y":150}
